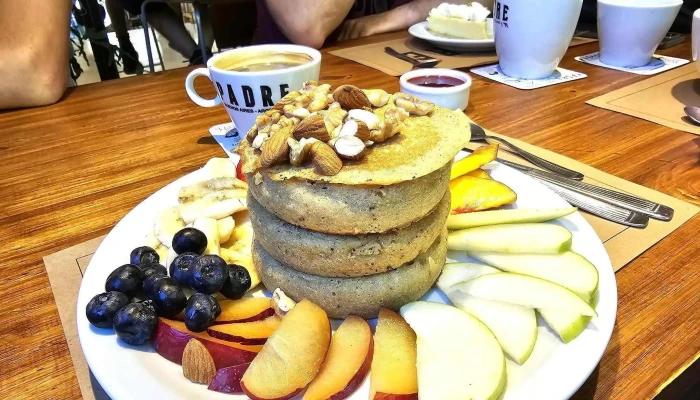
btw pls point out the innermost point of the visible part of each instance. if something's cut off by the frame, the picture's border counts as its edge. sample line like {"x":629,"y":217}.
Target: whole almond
{"x":197,"y":364}
{"x":325,"y":160}
{"x":351,"y":97}
{"x":312,"y":127}
{"x":275,"y":150}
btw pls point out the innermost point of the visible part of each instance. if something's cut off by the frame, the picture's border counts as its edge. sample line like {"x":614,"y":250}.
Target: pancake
{"x":362,"y":296}
{"x":351,"y":210}
{"x":423,"y":145}
{"x":343,"y":255}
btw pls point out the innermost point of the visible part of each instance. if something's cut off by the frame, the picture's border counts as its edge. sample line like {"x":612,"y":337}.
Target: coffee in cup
{"x":250,"y":80}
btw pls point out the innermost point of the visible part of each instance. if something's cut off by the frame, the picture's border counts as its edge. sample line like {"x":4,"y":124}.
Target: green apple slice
{"x":458,"y":357}
{"x":497,"y":217}
{"x":526,"y":291}
{"x":568,"y":269}
{"x":454,"y":273}
{"x":513,"y":238}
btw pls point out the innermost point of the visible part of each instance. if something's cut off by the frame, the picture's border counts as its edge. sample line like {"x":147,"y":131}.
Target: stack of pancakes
{"x":371,"y":236}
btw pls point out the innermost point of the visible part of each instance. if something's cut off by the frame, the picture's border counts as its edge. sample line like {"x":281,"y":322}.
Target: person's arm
{"x":34,"y":37}
{"x":393,"y":20}
{"x":308,"y":22}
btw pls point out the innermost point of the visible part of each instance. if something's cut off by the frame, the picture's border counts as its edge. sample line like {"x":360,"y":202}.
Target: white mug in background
{"x":629,"y":31}
{"x":533,"y":35}
{"x":247,"y":94}
{"x":696,"y":38}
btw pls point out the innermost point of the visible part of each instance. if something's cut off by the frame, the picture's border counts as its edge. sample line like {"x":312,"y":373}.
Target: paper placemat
{"x":373,"y":55}
{"x":657,"y":64}
{"x":495,"y":73}
{"x":66,"y":268}
{"x":659,"y":99}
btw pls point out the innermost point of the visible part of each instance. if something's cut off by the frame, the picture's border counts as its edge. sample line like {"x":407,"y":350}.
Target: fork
{"x":418,"y":60}
{"x":478,"y":134}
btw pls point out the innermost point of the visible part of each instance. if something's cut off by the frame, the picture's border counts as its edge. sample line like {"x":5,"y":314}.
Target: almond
{"x":325,"y":160}
{"x":312,"y":127}
{"x":350,"y":147}
{"x":351,"y":97}
{"x":276,"y":150}
{"x":362,"y":131}
{"x":197,"y":364}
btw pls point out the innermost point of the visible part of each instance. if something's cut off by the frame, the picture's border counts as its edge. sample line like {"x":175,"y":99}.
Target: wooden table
{"x":70,"y":171}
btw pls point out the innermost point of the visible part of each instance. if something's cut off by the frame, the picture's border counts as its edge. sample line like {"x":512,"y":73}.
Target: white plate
{"x":420,"y":31}
{"x":554,"y":371}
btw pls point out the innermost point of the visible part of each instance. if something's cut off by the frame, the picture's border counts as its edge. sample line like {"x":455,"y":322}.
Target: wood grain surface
{"x":70,"y":171}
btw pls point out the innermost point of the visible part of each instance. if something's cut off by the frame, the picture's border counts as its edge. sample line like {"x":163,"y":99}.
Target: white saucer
{"x":420,"y":31}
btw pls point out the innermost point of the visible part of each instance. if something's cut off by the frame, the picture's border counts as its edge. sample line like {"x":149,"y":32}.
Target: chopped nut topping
{"x":281,"y":303}
{"x":377,"y":97}
{"x":369,"y":118}
{"x":300,"y":151}
{"x":349,"y":147}
{"x":412,"y":104}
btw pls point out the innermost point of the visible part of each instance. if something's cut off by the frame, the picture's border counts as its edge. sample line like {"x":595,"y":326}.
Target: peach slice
{"x":255,"y":332}
{"x":291,"y":357}
{"x":228,"y":380}
{"x":475,"y":194}
{"x":479,"y":173}
{"x":481,"y":156}
{"x":393,"y":374}
{"x":171,"y":337}
{"x":247,"y":309}
{"x":347,"y":362}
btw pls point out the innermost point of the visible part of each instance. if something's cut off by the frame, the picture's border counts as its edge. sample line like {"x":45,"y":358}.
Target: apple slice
{"x":567,"y":325}
{"x":458,"y":356}
{"x":515,"y":238}
{"x":255,"y":332}
{"x":479,"y":157}
{"x":568,"y":269}
{"x":454,"y":273}
{"x":171,"y":337}
{"x":469,"y":194}
{"x":228,"y":380}
{"x":247,"y":309}
{"x":347,"y":362}
{"x":526,"y":291}
{"x":393,"y":374}
{"x":291,"y":357}
{"x":497,"y":217}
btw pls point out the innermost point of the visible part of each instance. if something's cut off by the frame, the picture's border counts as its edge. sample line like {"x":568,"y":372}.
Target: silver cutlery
{"x":693,"y":113}
{"x":609,"y":196}
{"x":479,"y":134}
{"x":418,"y":60}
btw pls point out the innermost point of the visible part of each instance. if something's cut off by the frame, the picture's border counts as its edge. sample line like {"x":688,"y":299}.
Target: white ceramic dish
{"x":554,"y":371}
{"x":420,"y":31}
{"x":452,"y":98}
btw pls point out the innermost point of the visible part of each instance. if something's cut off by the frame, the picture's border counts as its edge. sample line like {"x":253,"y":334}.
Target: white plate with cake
{"x":347,"y":233}
{"x":461,"y":28}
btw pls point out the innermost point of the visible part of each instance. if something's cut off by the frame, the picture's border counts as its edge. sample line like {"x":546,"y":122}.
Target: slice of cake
{"x":464,"y":21}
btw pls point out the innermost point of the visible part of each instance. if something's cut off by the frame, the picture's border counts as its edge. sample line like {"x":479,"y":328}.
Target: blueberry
{"x":180,"y":265}
{"x":127,"y":279}
{"x":136,"y":322}
{"x":154,"y":269}
{"x":238,"y":282}
{"x":145,"y":254}
{"x":189,"y":240}
{"x":153,"y":275}
{"x":201,"y":312}
{"x":101,"y":309}
{"x":168,"y":298}
{"x":207,"y":274}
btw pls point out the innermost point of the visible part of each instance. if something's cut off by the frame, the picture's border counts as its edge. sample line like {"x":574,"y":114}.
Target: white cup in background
{"x":533,"y":35}
{"x":246,"y":94}
{"x":630,"y":30}
{"x":696,"y":38}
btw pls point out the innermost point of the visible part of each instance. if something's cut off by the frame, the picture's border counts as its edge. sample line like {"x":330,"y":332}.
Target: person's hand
{"x":361,"y":27}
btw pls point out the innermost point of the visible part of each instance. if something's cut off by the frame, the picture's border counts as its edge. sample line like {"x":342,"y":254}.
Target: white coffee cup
{"x":533,"y":35}
{"x":630,"y":30}
{"x":247,"y":94}
{"x":696,"y":38}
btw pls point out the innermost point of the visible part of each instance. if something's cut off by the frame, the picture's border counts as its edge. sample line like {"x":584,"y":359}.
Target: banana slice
{"x":242,"y":236}
{"x":225,"y":227}
{"x":167,"y":224}
{"x":244,"y":260}
{"x":151,"y":241}
{"x":169,"y":258}
{"x":220,"y":168}
{"x":209,"y":228}
{"x":216,"y":198}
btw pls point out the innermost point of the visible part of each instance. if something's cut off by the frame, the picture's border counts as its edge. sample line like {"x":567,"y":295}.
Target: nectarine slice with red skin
{"x":291,"y":357}
{"x":470,"y":194}
{"x":347,"y":362}
{"x":228,"y":380}
{"x":244,"y":310}
{"x":393,"y":374}
{"x":478,"y":158}
{"x":255,"y":332}
{"x":171,"y":337}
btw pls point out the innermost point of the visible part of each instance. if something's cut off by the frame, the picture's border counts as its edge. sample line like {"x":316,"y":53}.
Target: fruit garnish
{"x":393,"y":373}
{"x":480,"y":157}
{"x":197,"y":364}
{"x":471,"y":194}
{"x":101,"y":309}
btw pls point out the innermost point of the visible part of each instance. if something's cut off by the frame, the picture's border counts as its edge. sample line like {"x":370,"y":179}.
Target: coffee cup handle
{"x":192,"y":92}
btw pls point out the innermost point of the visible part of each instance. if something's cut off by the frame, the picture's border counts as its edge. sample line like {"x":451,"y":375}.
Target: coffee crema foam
{"x":261,"y":61}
